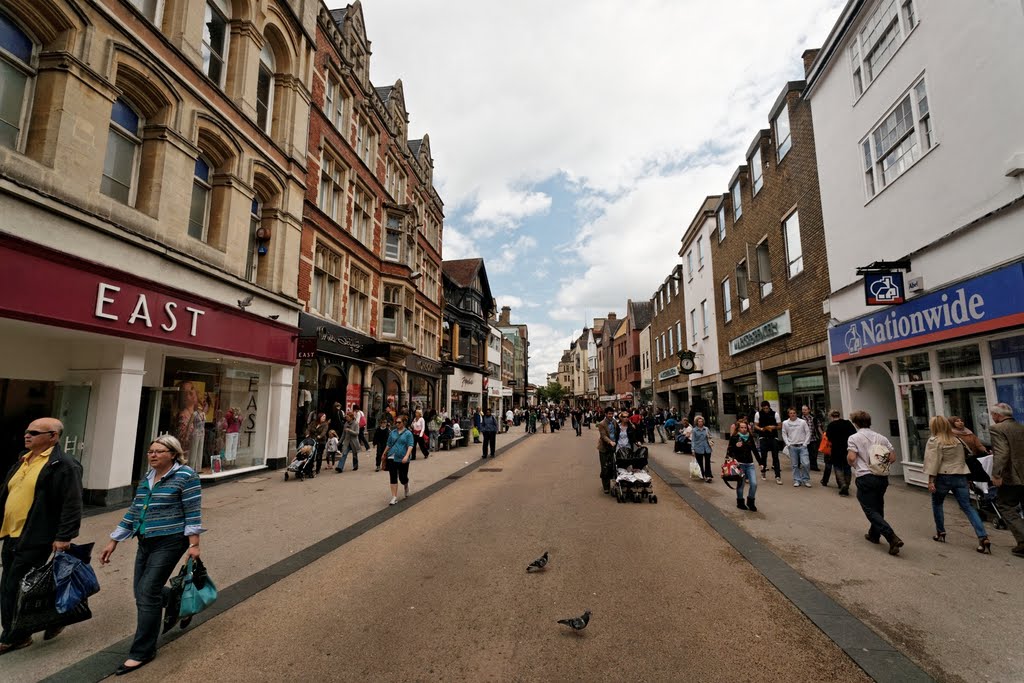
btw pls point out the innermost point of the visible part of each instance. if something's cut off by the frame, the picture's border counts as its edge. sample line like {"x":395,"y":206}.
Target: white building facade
{"x":921,"y":156}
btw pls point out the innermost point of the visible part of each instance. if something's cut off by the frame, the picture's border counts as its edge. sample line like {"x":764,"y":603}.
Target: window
{"x":252,"y":254}
{"x":700,"y":252}
{"x":364,"y":142}
{"x":756,"y":171}
{"x":394,"y":181}
{"x":16,"y":80}
{"x":657,"y":349}
{"x":265,"y":89}
{"x":675,"y":286}
{"x":202,"y":188}
{"x":407,"y":316}
{"x":362,"y":216}
{"x":391,"y":318}
{"x":334,"y":102}
{"x":124,"y":140}
{"x":737,"y":201}
{"x":429,"y":346}
{"x":693,"y":326}
{"x":326,"y":279}
{"x":431,"y":285}
{"x":663,"y":296}
{"x":393,"y":239}
{"x":358,"y":299}
{"x":883,"y":32}
{"x":764,"y":269}
{"x":704,"y":316}
{"x":215,"y":40}
{"x":721,"y":222}
{"x":148,"y":8}
{"x":899,"y":141}
{"x":726,"y":300}
{"x":654,"y":305}
{"x":331,"y":198}
{"x":783,"y":138}
{"x":742,"y":286}
{"x":794,"y":252}
{"x":689,"y":264}
{"x":679,"y":333}
{"x":671,"y":342}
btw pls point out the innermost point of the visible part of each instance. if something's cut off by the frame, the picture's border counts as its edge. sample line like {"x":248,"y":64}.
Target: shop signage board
{"x":506,"y":392}
{"x":778,"y":326}
{"x":884,"y":289}
{"x":466,"y":382}
{"x":424,"y":366}
{"x":988,"y":302}
{"x":46,"y":286}
{"x":339,"y":341}
{"x":668,"y":374}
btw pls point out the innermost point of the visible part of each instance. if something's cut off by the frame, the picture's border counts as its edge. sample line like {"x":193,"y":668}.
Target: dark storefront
{"x":424,"y":377}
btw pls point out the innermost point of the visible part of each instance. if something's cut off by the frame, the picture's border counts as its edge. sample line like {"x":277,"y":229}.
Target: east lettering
{"x":141,"y":312}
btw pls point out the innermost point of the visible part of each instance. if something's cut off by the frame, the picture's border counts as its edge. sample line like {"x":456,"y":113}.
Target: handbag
{"x":731,"y":470}
{"x":36,"y":603}
{"x":198,"y":590}
{"x":825,"y":446}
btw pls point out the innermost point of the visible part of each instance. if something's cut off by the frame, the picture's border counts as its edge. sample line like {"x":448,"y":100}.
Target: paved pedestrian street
{"x":440,"y":592}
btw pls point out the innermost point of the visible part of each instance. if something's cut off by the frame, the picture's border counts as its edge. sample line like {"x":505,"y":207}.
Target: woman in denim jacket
{"x":700,"y":436}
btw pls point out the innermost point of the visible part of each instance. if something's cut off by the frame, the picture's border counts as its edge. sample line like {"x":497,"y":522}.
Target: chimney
{"x":611,"y":316}
{"x":809,"y":56}
{"x":506,"y":315}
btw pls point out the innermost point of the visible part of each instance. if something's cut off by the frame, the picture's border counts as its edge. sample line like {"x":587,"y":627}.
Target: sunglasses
{"x":32,"y":432}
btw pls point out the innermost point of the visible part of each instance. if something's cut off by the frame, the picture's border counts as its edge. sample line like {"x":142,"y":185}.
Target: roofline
{"x":791,"y":86}
{"x":761,"y":135}
{"x":706,"y":211}
{"x":835,"y":36}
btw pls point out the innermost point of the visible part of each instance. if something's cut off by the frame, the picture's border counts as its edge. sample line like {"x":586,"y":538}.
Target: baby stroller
{"x":632,"y":481}
{"x":980,"y":482}
{"x":302,"y":465}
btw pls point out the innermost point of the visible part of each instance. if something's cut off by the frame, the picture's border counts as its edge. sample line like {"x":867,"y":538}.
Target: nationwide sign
{"x":884,"y":289}
{"x":773,"y":329}
{"x":989,"y":302}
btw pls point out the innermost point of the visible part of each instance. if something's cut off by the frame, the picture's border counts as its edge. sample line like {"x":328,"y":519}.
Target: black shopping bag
{"x":36,"y":606}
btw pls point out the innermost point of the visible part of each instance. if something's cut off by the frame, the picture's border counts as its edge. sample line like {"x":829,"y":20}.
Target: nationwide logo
{"x":894,"y":326}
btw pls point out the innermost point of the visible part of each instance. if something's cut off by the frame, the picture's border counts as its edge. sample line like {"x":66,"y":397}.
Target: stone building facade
{"x":153,"y":161}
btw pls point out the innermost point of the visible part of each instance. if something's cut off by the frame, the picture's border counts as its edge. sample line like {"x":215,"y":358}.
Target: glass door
{"x":72,"y":403}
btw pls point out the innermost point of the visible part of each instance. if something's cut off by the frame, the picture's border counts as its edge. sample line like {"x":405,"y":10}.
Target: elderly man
{"x":608,"y":434}
{"x":41,"y":503}
{"x":1008,"y":469}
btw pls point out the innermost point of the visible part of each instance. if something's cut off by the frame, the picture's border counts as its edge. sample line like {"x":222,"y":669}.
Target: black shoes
{"x":750,"y":505}
{"x":895,"y":543}
{"x":740,"y":504}
{"x":125,"y":669}
{"x":872,"y":540}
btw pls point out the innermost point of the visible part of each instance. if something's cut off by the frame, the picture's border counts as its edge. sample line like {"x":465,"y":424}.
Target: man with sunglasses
{"x":41,"y":507}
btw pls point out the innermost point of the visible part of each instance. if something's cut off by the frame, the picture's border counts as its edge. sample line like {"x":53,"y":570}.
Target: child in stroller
{"x":302,"y":465}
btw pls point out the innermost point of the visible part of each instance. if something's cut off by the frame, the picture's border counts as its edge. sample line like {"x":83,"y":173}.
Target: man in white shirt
{"x":796,"y":435}
{"x":870,"y":454}
{"x":509,"y":417}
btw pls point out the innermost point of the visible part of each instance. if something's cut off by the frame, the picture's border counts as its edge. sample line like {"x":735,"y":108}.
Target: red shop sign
{"x":42,"y":285}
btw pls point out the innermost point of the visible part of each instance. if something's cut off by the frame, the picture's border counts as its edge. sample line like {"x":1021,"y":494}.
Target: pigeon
{"x":539,"y":563}
{"x":577,"y":623}
{"x":245,"y":303}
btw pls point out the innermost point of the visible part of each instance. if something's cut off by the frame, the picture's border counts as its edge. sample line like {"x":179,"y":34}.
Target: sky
{"x":575,"y":140}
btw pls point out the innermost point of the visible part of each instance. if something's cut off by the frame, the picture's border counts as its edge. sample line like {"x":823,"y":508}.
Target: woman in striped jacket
{"x":166,"y":518}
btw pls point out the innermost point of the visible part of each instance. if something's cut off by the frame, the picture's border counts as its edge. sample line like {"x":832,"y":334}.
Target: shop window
{"x":1008,"y":367}
{"x":918,"y":408}
{"x":393,"y":239}
{"x":265,"y":89}
{"x":914,"y":368}
{"x":358,"y":299}
{"x":326,"y":279}
{"x":121,"y":165}
{"x":214,"y":409}
{"x":392,"y":312}
{"x":962,"y":361}
{"x":215,"y":40}
{"x":202,"y":189}
{"x":362,"y":216}
{"x":17,"y":78}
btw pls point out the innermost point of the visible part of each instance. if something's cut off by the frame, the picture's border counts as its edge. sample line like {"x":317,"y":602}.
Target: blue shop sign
{"x":989,"y":302}
{"x":884,"y":289}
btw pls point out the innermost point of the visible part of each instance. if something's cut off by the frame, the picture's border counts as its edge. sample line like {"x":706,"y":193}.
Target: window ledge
{"x":897,"y":179}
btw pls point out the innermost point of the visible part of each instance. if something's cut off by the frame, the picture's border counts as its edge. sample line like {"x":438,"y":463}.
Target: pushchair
{"x":980,"y":482}
{"x":302,"y":465}
{"x":632,"y":481}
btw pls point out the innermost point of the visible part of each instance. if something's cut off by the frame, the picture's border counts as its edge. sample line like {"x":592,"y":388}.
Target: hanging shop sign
{"x":988,"y":302}
{"x":884,"y":289}
{"x":778,"y":326}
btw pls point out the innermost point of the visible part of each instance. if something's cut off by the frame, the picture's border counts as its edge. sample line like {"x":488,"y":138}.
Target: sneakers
{"x":807,"y":484}
{"x":394,"y":500}
{"x":778,"y":480}
{"x":406,"y":490}
{"x":796,"y":484}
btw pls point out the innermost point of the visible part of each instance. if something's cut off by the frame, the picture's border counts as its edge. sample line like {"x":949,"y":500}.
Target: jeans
{"x":16,"y":564}
{"x":801,"y":463}
{"x":1008,"y":499}
{"x":155,"y":561}
{"x":489,"y":439}
{"x":343,"y":456}
{"x":660,"y":429}
{"x":704,"y":460}
{"x":380,"y":454}
{"x":433,"y":440}
{"x":750,"y":472}
{"x":957,"y":485}
{"x":871,"y":496}
{"x":770,"y":445}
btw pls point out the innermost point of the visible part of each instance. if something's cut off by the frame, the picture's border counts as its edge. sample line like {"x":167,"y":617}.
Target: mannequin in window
{"x":233,"y":422}
{"x":191,"y":424}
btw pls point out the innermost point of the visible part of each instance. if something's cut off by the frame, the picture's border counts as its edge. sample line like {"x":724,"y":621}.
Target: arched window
{"x":215,"y":40}
{"x":17,"y":76}
{"x":124,"y":140}
{"x":252,"y":257}
{"x":265,"y":89}
{"x":202,"y":188}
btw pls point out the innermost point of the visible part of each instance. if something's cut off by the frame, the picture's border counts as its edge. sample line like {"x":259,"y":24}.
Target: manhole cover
{"x":252,"y":480}
{"x":490,"y":469}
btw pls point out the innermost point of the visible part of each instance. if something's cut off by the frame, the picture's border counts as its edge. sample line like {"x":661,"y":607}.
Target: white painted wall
{"x":700,"y":288}
{"x":646,"y":359}
{"x":970,"y":55}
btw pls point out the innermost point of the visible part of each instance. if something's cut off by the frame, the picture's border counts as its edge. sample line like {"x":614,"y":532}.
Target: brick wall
{"x":663,"y":319}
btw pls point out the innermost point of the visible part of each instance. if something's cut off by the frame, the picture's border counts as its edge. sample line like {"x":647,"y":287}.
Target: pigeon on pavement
{"x":539,"y":563}
{"x":577,"y":623}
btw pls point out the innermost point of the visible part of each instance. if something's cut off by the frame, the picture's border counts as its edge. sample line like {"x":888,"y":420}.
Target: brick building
{"x":628,"y":351}
{"x":668,"y":310}
{"x":152,"y":167}
{"x":770,"y":265}
{"x":606,"y":359}
{"x":370,"y":262}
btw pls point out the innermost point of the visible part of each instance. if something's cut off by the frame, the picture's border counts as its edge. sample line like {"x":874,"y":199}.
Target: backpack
{"x":879,"y":460}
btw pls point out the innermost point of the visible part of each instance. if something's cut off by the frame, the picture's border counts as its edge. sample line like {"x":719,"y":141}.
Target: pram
{"x":632,"y":481}
{"x":980,"y":482}
{"x":302,"y":465}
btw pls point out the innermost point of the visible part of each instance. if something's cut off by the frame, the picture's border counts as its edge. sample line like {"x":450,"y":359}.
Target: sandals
{"x":940,"y":537}
{"x":984,"y":546}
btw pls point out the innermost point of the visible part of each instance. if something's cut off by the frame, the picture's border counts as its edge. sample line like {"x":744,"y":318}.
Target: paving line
{"x":877,"y":657}
{"x":102,"y":664}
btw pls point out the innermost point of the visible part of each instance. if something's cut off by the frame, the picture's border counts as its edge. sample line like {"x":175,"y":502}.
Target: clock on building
{"x":687,"y":365}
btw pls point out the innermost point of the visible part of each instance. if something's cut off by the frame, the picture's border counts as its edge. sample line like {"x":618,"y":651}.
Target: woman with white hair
{"x":166,"y":518}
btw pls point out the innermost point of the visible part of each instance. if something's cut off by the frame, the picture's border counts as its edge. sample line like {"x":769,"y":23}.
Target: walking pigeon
{"x":577,"y":623}
{"x":539,"y":563}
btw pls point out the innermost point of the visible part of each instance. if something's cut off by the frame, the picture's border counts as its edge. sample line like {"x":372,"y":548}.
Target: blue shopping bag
{"x":74,"y":578}
{"x":198,"y":592}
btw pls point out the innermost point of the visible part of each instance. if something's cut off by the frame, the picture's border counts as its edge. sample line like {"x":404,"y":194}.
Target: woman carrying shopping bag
{"x":700,"y":437}
{"x":166,"y":517}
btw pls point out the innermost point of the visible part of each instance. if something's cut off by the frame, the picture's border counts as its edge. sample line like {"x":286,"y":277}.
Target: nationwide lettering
{"x":892,"y":326}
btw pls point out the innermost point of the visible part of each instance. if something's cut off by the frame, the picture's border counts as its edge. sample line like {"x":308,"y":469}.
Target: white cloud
{"x":506,"y":207}
{"x":514,"y":302}
{"x":546,"y":346}
{"x":510,"y":254}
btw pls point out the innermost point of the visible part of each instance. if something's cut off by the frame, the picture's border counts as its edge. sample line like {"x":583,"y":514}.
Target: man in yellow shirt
{"x":41,"y":507}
